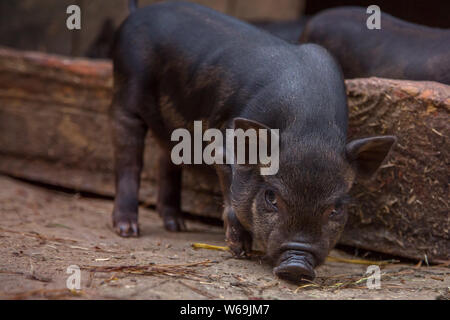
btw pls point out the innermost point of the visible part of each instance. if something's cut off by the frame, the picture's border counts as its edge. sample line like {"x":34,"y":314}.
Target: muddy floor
{"x":43,"y":232}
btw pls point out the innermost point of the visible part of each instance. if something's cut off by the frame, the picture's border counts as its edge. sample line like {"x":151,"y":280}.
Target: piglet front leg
{"x":129,"y":136}
{"x":238,"y":239}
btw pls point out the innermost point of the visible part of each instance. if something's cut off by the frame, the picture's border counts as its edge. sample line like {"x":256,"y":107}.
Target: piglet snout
{"x":295,"y":266}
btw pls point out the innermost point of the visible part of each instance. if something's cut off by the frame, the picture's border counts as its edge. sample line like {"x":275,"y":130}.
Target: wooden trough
{"x":54,"y":129}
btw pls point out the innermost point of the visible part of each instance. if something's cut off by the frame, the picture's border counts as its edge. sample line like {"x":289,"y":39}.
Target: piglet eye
{"x":271,"y":198}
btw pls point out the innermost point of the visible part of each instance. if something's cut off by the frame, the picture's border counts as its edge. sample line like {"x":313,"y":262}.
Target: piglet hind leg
{"x":129,"y":132}
{"x":169,"y":195}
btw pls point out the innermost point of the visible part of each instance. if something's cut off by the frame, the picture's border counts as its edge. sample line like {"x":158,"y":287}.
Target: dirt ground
{"x":43,"y":232}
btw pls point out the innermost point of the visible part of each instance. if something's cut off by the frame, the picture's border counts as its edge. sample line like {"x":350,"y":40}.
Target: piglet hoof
{"x":126,"y":226}
{"x":127,"y":229}
{"x":173,"y":220}
{"x":174,"y":224}
{"x":238,"y":250}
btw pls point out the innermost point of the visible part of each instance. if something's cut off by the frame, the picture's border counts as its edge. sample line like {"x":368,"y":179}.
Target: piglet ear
{"x":255,"y":150}
{"x":244,"y":124}
{"x":367,"y":155}
{"x":247,"y":124}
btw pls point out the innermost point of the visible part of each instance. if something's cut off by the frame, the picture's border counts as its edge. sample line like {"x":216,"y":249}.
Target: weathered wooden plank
{"x":404,"y":211}
{"x":54,"y":129}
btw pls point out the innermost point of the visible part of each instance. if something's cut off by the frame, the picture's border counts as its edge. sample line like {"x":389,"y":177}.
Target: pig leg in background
{"x":169,"y":195}
{"x":238,"y":239}
{"x":129,"y":132}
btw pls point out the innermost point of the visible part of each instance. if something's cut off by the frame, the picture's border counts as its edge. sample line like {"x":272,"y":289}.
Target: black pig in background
{"x":399,"y":50}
